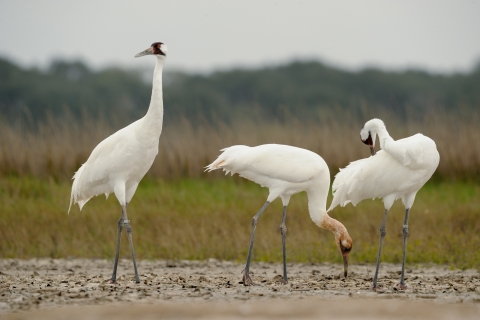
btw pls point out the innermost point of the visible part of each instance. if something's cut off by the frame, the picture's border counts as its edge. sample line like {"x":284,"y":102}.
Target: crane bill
{"x":144,"y":53}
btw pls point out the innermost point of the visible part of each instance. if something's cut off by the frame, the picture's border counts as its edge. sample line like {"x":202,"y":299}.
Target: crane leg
{"x":124,"y":222}
{"x":247,"y":281}
{"x":283,"y":231}
{"x":402,"y":285}
{"x":128,"y":227}
{"x":383,"y":232}
{"x":119,"y":238}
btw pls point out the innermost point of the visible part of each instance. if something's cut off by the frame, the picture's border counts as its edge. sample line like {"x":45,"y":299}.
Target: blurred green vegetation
{"x":201,"y":219}
{"x":300,"y":88}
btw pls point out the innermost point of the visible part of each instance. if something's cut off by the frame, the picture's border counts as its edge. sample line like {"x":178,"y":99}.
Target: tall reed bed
{"x":57,"y":147}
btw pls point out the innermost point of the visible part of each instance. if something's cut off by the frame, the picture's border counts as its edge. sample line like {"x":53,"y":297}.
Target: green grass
{"x":200,"y":219}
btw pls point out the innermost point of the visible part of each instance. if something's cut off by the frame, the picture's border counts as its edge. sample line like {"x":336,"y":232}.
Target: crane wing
{"x":373,"y":177}
{"x":92,"y":177}
{"x":274,"y":161}
{"x":410,"y":151}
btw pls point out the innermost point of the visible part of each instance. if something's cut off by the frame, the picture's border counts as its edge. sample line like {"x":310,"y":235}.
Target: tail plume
{"x":342,"y":184}
{"x":74,"y":196}
{"x":226,"y":158}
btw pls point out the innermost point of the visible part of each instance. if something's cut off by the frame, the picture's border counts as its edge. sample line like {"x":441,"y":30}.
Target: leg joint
{"x":383,"y":232}
{"x":283,"y":228}
{"x":405,"y":230}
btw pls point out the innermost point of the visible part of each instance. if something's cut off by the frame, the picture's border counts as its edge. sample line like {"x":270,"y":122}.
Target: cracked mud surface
{"x":208,"y":287}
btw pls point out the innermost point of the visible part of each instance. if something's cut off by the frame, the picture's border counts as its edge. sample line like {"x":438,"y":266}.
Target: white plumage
{"x":399,"y":170}
{"x":285,"y":171}
{"x":274,"y":166}
{"x":118,"y":163}
{"x":391,"y":174}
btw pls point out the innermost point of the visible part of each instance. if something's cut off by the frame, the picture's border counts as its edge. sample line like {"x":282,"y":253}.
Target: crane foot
{"x":401,"y":287}
{"x":247,"y":281}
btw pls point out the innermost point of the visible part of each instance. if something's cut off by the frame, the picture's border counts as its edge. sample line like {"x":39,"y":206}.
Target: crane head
{"x":157,"y":48}
{"x":342,"y":238}
{"x":345,"y":243}
{"x":369,"y":132}
{"x":368,"y":140}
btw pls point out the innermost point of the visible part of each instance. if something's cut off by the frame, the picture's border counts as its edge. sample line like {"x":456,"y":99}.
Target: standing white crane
{"x":285,"y":171}
{"x":399,"y":170}
{"x":118,"y":163}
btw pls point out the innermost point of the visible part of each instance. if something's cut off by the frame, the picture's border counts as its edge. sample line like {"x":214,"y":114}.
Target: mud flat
{"x":80,"y":288}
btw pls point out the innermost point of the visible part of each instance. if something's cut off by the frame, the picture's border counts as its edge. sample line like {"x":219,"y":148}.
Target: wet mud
{"x":211,"y":288}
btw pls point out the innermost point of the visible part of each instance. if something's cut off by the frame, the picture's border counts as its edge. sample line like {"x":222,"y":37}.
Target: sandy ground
{"x":79,"y":288}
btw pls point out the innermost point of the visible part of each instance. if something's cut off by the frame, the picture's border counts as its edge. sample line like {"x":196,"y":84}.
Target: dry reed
{"x":56,"y":148}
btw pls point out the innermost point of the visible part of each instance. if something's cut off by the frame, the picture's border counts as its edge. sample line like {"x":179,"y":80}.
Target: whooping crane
{"x":118,"y":163}
{"x":399,"y":170}
{"x":285,"y":171}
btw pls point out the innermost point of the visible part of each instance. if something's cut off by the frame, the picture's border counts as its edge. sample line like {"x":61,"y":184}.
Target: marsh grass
{"x":201,"y":219}
{"x":57,"y":147}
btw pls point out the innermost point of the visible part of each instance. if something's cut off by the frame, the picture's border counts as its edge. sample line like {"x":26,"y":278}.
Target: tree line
{"x":301,"y":88}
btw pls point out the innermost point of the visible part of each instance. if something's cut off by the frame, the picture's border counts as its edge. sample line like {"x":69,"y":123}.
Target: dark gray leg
{"x":383,"y":232}
{"x":119,"y":237}
{"x":246,"y":277}
{"x":128,"y":227}
{"x":283,"y":231}
{"x":405,"y":235}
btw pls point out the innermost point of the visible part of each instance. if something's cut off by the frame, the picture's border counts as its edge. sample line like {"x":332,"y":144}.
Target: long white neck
{"x":317,"y":207}
{"x":154,"y":117}
{"x":383,"y":137}
{"x":317,"y":201}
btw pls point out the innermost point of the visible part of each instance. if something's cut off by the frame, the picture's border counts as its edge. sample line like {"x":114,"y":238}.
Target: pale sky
{"x":439,"y":36}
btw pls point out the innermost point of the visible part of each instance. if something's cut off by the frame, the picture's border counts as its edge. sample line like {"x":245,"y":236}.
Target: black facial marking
{"x":156,"y":48}
{"x":368,"y":141}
